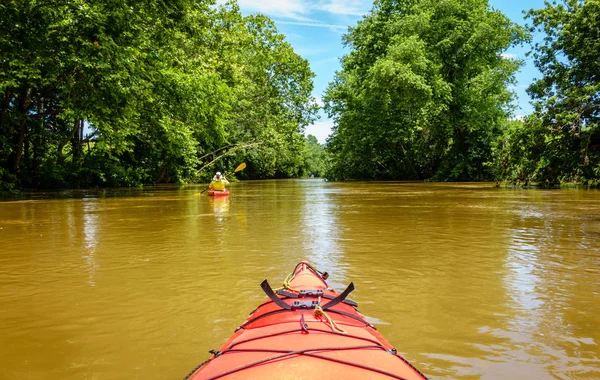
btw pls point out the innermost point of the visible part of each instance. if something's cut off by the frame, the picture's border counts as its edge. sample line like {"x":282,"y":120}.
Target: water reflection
{"x":90,"y":238}
{"x":523,"y":267}
{"x":545,"y":295}
{"x":321,"y":230}
{"x":220,"y":207}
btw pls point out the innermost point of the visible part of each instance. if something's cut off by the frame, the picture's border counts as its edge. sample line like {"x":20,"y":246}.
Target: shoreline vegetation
{"x":124,"y":94}
{"x":425,"y":93}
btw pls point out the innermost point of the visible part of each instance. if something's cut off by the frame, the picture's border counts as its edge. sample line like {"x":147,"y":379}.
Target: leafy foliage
{"x":125,"y":93}
{"x":560,"y":142}
{"x":104,"y":93}
{"x":314,"y":162}
{"x":423,"y":92}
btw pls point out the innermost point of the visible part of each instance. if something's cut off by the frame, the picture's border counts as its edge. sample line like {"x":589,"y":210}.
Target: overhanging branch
{"x":235,"y":148}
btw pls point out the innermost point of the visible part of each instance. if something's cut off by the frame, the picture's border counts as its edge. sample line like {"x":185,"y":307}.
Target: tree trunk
{"x":76,"y":141}
{"x":19,"y":136}
{"x":37,"y":149}
{"x":60,"y":159}
{"x":4,"y":106}
{"x":163,"y":170}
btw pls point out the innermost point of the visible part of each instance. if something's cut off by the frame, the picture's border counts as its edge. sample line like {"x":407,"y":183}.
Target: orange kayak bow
{"x":305,"y":330}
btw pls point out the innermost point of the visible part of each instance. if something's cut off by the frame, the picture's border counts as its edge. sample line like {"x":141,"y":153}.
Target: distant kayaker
{"x":218,"y":182}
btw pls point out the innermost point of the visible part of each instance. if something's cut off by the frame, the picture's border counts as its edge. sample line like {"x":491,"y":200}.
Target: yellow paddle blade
{"x":241,"y":167}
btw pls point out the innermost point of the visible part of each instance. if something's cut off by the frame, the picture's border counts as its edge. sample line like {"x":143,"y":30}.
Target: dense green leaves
{"x":105,"y":93}
{"x":560,"y":142}
{"x":133,"y":92}
{"x":423,"y":92}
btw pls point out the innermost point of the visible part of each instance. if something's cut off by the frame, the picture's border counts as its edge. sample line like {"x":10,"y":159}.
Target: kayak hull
{"x":311,"y":340}
{"x":217,"y":193}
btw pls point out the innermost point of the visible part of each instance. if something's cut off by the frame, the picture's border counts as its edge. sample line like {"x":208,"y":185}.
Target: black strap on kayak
{"x":350,"y":302}
{"x":295,"y":306}
{"x":287,"y":294}
{"x":269,"y":292}
{"x":313,"y":293}
{"x":303,"y":304}
{"x":340,"y":297}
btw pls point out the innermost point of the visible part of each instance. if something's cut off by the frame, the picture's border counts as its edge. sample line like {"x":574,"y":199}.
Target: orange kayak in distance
{"x":218,"y":193}
{"x":306,"y":330}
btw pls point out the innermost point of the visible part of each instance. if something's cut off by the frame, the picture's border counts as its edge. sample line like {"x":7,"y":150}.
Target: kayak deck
{"x":306,"y":330}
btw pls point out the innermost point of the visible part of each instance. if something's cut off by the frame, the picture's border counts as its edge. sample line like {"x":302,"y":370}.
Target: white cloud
{"x":509,"y":55}
{"x":320,"y":129}
{"x":299,"y":9}
{"x":291,"y":9}
{"x":333,"y":27}
{"x":345,"y":7}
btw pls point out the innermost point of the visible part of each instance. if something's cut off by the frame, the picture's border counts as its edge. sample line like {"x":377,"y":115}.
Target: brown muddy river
{"x":466,"y":280}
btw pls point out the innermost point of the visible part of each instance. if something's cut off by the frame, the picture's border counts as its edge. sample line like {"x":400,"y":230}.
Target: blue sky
{"x":315,"y":28}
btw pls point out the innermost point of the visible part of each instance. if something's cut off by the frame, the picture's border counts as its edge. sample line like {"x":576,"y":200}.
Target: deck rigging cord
{"x":304,"y":307}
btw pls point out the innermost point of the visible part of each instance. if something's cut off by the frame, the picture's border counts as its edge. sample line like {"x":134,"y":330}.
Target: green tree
{"x":111,"y":93}
{"x":560,"y":142}
{"x":314,"y":158}
{"x":273,"y":104}
{"x":423,"y":92}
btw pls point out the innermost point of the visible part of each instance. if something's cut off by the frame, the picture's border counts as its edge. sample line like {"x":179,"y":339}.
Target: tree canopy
{"x":423,"y":92}
{"x":133,"y":92}
{"x":104,"y":93}
{"x":560,"y":141}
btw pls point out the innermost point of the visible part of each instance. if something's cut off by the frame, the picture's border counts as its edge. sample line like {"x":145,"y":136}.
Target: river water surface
{"x":466,"y":280}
